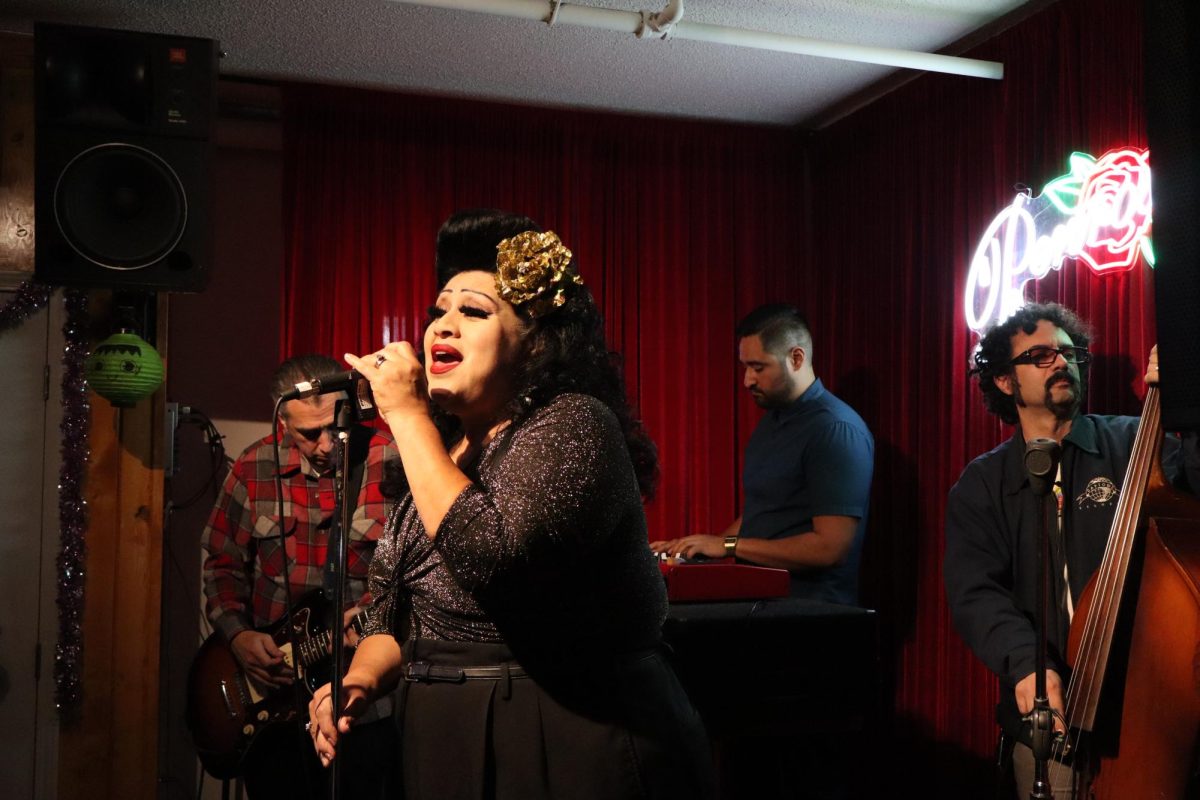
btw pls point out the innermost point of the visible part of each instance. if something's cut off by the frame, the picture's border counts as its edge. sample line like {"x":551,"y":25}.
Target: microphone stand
{"x":336,"y":563}
{"x":1041,"y":463}
{"x":357,"y":406}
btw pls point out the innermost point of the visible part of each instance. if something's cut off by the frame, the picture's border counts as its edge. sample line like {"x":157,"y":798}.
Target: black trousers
{"x":623,"y":731}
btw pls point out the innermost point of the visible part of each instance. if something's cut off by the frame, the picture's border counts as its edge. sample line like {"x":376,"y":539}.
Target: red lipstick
{"x":443,"y":358}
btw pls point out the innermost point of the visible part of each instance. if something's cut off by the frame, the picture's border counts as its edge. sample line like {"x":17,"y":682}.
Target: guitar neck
{"x":319,"y":646}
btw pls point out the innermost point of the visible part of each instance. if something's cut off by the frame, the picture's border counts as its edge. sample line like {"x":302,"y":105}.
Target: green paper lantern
{"x":123,"y":369}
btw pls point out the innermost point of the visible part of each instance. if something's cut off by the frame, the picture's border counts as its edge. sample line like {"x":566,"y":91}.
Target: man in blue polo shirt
{"x":807,"y":477}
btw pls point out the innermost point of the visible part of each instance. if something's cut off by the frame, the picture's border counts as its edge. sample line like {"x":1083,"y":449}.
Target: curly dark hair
{"x":566,"y":349}
{"x":995,"y":351}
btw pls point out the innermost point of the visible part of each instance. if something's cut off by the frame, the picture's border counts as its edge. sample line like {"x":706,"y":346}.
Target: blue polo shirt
{"x":812,"y":458}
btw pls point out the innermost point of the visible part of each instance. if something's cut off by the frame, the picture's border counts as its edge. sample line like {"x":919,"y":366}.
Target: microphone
{"x":1041,"y":462}
{"x":337,"y":382}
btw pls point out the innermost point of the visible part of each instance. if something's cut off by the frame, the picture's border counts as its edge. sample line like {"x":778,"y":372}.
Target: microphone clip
{"x":357,"y":389}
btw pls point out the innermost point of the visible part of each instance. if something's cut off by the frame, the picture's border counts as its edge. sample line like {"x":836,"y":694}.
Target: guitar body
{"x":227,"y":711}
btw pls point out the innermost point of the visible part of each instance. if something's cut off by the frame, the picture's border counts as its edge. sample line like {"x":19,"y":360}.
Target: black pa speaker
{"x":123,"y":148}
{"x":1173,"y":126}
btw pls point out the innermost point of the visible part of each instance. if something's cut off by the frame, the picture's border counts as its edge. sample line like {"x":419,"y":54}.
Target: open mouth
{"x":443,"y":359}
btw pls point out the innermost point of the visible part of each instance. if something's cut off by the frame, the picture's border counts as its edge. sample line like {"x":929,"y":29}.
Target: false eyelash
{"x":467,"y":311}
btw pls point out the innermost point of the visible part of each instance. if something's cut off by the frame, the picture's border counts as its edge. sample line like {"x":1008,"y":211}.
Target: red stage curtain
{"x":678,"y":227}
{"x":903,"y":192}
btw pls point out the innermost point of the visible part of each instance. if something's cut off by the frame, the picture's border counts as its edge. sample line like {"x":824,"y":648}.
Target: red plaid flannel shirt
{"x":242,"y":572}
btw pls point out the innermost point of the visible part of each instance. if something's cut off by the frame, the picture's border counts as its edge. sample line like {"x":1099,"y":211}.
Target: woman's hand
{"x":402,"y":396}
{"x":356,"y":698}
{"x":375,"y":669}
{"x":397,"y":381}
{"x":1152,"y":366}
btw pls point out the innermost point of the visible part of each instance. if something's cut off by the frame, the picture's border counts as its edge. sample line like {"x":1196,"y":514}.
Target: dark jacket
{"x":992,"y":521}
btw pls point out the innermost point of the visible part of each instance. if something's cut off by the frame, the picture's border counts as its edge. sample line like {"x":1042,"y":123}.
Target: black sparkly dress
{"x":542,"y":565}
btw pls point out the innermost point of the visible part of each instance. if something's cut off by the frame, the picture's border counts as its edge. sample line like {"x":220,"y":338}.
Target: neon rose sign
{"x":1098,"y":213}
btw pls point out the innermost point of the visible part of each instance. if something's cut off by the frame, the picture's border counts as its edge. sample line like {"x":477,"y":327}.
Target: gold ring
{"x":379,"y":359}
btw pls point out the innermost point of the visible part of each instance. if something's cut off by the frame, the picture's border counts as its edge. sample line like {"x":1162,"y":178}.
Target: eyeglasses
{"x":1043,"y":356}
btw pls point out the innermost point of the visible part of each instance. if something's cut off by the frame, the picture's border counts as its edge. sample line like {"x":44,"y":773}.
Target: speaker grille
{"x":120,"y":206}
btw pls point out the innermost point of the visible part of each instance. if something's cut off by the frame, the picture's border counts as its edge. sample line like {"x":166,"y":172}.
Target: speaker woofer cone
{"x":120,"y":206}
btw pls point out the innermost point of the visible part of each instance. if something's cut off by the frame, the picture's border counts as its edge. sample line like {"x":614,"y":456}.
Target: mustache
{"x":1062,"y":375}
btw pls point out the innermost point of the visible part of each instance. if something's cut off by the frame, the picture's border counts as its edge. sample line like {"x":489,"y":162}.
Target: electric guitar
{"x":227,"y":710}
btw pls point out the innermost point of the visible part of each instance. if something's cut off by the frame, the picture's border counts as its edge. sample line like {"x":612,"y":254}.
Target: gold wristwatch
{"x":731,"y":546}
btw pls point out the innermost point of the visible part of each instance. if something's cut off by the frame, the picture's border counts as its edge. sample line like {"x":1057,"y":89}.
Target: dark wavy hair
{"x":565,"y":348}
{"x":995,"y":351}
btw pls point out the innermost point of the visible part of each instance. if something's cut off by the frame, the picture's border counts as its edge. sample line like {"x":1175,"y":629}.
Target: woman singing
{"x":519,"y":605}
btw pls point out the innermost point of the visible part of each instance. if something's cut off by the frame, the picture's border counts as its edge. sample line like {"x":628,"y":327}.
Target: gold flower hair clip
{"x":533,"y":270}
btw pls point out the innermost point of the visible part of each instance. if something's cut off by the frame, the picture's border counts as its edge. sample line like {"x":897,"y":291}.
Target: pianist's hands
{"x":691,"y":546}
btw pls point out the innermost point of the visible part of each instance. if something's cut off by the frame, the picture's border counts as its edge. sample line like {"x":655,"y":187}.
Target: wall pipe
{"x":632,"y":22}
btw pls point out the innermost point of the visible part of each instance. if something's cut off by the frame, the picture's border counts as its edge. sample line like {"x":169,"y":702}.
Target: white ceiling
{"x":376,"y":43}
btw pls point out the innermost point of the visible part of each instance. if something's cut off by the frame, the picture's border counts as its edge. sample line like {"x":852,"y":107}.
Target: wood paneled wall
{"x":110,"y":749}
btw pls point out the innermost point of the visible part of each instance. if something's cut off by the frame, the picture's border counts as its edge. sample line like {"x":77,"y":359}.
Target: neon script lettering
{"x":1098,"y":213}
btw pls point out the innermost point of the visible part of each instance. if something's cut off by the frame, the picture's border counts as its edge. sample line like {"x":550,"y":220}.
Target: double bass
{"x":1133,"y":701}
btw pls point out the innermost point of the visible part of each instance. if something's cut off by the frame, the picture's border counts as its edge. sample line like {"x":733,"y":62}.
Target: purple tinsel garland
{"x":31,"y":298}
{"x":72,"y":508}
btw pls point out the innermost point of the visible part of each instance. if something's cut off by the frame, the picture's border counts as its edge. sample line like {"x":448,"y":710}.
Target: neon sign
{"x":1098,"y":213}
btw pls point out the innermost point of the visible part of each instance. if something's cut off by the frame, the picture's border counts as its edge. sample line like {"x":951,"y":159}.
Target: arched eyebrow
{"x":475,"y":292}
{"x":484,"y":295}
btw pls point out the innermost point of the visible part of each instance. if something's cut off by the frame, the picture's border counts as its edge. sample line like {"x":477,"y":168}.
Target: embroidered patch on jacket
{"x":1099,"y":492}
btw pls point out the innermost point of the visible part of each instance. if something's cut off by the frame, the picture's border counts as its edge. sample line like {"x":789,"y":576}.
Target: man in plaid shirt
{"x":243,"y":568}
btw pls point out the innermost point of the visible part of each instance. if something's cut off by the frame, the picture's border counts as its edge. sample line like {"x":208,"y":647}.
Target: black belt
{"x":424,"y":671}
